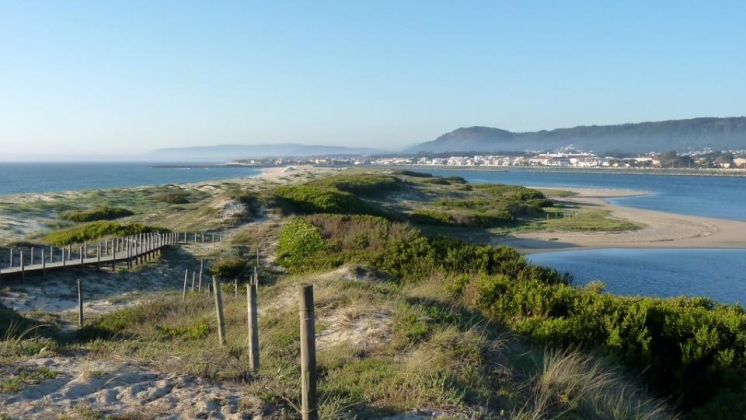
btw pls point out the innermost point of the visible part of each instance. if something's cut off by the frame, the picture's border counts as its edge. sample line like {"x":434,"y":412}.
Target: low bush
{"x":298,"y":240}
{"x":303,"y":199}
{"x":231,"y":268}
{"x":98,"y":213}
{"x":691,"y":348}
{"x":413,"y":174}
{"x":172,"y":197}
{"x":363,"y":185}
{"x":96,"y":230}
{"x":326,"y":241}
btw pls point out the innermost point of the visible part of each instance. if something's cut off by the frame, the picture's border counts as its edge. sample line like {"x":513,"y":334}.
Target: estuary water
{"x":717,"y":274}
{"x":17,"y":178}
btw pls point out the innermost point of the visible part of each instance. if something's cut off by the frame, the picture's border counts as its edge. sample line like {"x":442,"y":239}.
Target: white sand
{"x":662,"y":230}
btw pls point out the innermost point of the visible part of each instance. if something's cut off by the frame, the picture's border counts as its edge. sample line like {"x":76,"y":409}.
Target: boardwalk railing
{"x":129,"y":249}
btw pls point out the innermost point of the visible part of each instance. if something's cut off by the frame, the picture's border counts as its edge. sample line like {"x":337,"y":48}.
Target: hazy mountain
{"x":697,"y":133}
{"x":257,"y":151}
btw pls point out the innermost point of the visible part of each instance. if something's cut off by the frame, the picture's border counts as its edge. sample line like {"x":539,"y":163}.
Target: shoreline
{"x":662,"y":230}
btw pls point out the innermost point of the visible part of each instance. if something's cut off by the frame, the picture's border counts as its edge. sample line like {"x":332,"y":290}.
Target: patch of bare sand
{"x":111,"y":388}
{"x":661,"y":230}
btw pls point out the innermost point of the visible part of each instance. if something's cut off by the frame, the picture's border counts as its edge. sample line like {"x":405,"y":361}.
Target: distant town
{"x":565,"y":158}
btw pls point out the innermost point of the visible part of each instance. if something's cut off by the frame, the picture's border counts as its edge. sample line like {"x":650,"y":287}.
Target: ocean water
{"x":18,"y":178}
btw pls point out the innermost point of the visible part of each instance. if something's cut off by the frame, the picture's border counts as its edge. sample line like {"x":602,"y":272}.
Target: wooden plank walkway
{"x":128,"y":249}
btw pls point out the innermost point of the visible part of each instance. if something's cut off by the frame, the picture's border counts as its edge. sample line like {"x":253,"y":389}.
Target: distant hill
{"x":697,"y":133}
{"x":257,"y":151}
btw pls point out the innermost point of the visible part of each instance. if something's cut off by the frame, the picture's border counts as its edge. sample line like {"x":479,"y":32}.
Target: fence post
{"x":80,"y":304}
{"x":51,"y":253}
{"x":98,"y":257}
{"x":62,"y":256}
{"x":253,"y":326}
{"x":201,"y":266}
{"x":23,"y":267}
{"x":194,"y":274}
{"x":219,"y":308}
{"x":43,"y":263}
{"x":186,"y":275}
{"x":309,"y":409}
{"x":81,"y":258}
{"x":31,"y":257}
{"x":11,"y":257}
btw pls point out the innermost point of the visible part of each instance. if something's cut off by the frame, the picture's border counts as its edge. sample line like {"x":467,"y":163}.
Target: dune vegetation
{"x":411,"y":316}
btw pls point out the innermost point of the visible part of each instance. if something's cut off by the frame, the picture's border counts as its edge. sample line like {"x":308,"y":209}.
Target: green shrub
{"x":413,"y":174}
{"x":298,"y":239}
{"x":303,"y":199}
{"x":691,"y":348}
{"x":397,"y":249}
{"x":232,"y":268}
{"x":98,"y":213}
{"x":431,"y":217}
{"x":96,"y":230}
{"x":364,"y":185}
{"x":187,"y":332}
{"x":172,"y":197}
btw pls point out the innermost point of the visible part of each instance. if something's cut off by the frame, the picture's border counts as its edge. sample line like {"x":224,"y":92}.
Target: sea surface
{"x":717,"y":274}
{"x":16,"y":178}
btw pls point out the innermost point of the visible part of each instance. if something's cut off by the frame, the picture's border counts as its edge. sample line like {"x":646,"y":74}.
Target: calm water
{"x":718,"y":274}
{"x":52,"y":177}
{"x":722,"y":197}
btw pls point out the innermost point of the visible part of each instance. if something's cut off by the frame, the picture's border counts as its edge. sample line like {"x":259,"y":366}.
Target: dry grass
{"x":574,"y":385}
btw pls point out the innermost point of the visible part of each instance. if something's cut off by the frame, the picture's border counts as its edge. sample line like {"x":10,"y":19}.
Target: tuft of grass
{"x":574,"y":385}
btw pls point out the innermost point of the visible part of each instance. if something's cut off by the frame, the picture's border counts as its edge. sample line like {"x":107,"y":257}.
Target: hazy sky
{"x":125,"y":77}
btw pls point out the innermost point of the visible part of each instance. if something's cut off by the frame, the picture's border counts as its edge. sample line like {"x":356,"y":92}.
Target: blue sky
{"x":127,"y":77}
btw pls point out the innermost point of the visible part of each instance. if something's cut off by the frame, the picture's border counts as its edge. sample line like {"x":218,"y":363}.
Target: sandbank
{"x":661,"y":229}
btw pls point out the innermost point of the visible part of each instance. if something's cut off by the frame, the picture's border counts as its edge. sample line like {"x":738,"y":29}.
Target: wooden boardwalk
{"x":128,"y":250}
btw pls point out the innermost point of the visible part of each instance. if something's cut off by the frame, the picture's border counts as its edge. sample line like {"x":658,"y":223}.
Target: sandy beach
{"x":662,"y":230}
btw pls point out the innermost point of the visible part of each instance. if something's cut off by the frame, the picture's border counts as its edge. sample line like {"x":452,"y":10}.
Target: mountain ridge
{"x":716,"y":133}
{"x":255,"y":151}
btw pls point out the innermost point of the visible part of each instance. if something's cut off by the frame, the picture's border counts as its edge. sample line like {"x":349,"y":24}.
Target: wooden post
{"x":186,"y":275}
{"x":51,"y":253}
{"x":201,"y":266}
{"x":43,"y":263}
{"x":195,"y":237}
{"x":235,"y":288}
{"x":193,"y":278}
{"x":23,"y":267}
{"x":203,"y":237}
{"x":113,"y":256}
{"x":80,"y":304}
{"x":70,"y":252}
{"x":81,"y":258}
{"x":98,"y":257}
{"x":309,"y":409}
{"x":31,"y":256}
{"x":11,"y":257}
{"x":62,"y":256}
{"x":85,"y":250}
{"x":253,"y":326}
{"x":219,"y":308}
